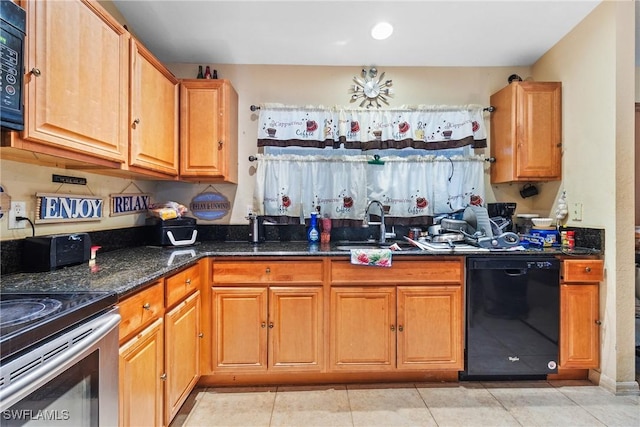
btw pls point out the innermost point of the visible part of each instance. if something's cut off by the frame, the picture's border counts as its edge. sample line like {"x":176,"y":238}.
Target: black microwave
{"x":13,"y":26}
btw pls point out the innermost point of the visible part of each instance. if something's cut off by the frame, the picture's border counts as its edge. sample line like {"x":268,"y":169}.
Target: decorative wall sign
{"x":5,"y":201}
{"x":64,"y":179}
{"x":52,"y":208}
{"x":126,"y":204}
{"x":210,"y":206}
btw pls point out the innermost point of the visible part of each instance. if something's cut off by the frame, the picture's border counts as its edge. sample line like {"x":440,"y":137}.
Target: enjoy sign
{"x":67,"y":207}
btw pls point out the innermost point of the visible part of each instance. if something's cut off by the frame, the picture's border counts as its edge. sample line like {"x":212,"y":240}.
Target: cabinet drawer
{"x":141,"y":309}
{"x":444,"y":271}
{"x":583,"y":270}
{"x":182,"y":284}
{"x":249,"y":272}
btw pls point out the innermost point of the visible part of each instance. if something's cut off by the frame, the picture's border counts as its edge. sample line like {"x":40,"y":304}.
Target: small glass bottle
{"x":207,"y":73}
{"x":200,"y":75}
{"x":313,"y":235}
{"x":215,"y":74}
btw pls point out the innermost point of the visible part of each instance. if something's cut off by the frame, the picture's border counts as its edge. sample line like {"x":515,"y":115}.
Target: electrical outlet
{"x":576,"y":211}
{"x":17,"y":209}
{"x":249,"y":210}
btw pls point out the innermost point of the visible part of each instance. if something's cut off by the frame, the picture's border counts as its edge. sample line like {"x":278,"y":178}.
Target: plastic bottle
{"x":313,"y":235}
{"x":200,"y":75}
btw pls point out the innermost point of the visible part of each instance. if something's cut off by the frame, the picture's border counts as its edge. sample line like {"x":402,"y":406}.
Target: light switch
{"x":576,"y":211}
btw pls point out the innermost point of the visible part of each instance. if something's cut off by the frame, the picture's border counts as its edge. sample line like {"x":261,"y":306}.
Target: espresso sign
{"x":125,"y":204}
{"x":67,"y":208}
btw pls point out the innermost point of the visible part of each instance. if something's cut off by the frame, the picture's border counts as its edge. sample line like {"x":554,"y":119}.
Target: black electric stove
{"x":29,"y":318}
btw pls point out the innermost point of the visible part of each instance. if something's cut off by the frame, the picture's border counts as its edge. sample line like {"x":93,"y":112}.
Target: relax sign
{"x":67,"y":207}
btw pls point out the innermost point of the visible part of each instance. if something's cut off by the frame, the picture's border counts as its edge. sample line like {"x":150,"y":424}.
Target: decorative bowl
{"x":542,"y":222}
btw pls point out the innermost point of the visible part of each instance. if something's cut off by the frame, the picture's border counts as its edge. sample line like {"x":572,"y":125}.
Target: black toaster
{"x":46,"y":253}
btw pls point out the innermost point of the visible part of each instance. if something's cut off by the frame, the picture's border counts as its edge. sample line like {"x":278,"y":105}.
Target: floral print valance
{"x":422,"y":127}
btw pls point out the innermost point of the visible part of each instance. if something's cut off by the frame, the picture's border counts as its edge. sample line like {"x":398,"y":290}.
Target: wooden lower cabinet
{"x":430,"y":325}
{"x":267,"y":328}
{"x":363,"y":324}
{"x":579,"y":313}
{"x":160,"y":337}
{"x":579,"y":326}
{"x":141,"y":368}
{"x":295,"y":338}
{"x":182,"y":353}
{"x":396,"y":328}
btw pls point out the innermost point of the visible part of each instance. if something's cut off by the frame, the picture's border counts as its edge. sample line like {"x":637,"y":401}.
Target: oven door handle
{"x":39,"y":365}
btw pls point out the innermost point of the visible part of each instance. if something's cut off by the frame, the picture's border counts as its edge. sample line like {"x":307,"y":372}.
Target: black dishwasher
{"x":512,"y":317}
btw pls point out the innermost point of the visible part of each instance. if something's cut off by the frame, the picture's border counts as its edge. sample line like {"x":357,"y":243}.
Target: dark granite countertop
{"x":125,"y":271}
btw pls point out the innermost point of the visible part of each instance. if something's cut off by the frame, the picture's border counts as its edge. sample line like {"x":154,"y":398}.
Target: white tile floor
{"x":539,"y":403}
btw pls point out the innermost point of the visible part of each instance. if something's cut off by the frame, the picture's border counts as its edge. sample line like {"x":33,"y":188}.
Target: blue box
{"x":549,"y":237}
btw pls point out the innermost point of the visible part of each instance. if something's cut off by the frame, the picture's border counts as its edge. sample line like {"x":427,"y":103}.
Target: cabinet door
{"x":77,"y":93}
{"x":526,"y":132}
{"x":209,"y":130}
{"x":141,"y":368}
{"x":363,"y":327}
{"x":154,"y":114}
{"x":539,"y":112}
{"x":182,"y":353}
{"x":430,"y":327}
{"x":579,"y":326}
{"x":295,"y":329}
{"x":240,"y":329}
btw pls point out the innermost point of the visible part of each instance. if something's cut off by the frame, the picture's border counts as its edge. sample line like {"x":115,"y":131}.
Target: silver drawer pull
{"x":588,"y":269}
{"x":146,"y":306}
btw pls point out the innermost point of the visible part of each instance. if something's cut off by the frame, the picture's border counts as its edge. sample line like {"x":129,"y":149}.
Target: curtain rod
{"x":490,"y":108}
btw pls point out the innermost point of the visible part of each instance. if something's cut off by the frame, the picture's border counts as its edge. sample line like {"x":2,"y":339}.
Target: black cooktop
{"x":28,"y":318}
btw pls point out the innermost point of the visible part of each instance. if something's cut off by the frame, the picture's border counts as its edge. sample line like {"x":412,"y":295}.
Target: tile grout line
{"x":577,"y":404}
{"x":501,"y":404}
{"x":273,"y":405}
{"x":415,"y":386}
{"x":350,"y":408}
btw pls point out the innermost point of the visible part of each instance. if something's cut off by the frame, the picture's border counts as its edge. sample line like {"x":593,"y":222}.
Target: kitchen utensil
{"x":448,"y":237}
{"x":528,"y":190}
{"x":416,"y":243}
{"x":435,"y":229}
{"x":449,"y":224}
{"x":477,"y":218}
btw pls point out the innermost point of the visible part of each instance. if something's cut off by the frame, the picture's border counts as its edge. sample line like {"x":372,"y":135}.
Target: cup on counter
{"x":325,"y":234}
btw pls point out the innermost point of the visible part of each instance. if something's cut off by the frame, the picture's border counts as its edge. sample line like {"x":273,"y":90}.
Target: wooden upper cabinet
{"x":154,"y":115}
{"x":526,"y":132}
{"x":208,"y":131}
{"x":77,"y":88}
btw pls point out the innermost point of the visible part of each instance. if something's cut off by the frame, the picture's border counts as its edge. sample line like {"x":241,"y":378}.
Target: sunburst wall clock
{"x":371,"y":89}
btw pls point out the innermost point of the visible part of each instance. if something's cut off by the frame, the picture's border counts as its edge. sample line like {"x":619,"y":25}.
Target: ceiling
{"x":324,"y":32}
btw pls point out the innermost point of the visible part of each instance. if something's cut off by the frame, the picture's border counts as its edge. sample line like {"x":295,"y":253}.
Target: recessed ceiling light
{"x":381,"y":30}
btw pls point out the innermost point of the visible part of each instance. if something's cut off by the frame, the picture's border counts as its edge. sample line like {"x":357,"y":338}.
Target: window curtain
{"x":422,"y":127}
{"x":341,"y":186}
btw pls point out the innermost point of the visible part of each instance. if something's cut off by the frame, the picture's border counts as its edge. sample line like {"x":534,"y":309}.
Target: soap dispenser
{"x":313,"y":234}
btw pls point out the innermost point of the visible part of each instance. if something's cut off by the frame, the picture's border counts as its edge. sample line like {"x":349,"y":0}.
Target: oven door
{"x":72,"y":379}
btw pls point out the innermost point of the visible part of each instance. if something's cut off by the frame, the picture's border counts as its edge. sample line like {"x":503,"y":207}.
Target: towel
{"x":373,"y":257}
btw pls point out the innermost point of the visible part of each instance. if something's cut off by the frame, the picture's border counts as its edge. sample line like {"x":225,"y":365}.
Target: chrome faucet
{"x":366,"y":222}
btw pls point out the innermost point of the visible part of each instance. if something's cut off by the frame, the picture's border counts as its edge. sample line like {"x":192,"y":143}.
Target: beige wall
{"x":595,"y":62}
